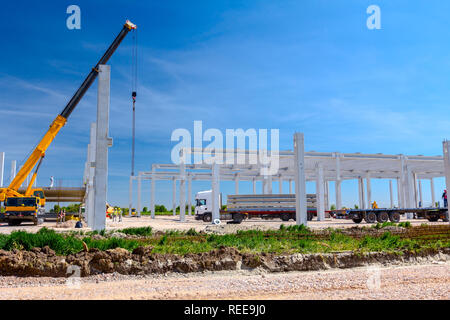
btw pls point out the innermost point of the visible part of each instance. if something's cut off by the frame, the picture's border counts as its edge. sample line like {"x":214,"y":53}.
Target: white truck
{"x":241,"y":207}
{"x":203,"y":205}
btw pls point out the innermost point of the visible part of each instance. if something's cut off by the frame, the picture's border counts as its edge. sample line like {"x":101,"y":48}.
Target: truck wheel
{"x":370,"y":217}
{"x":394,"y":217}
{"x":293,"y":216}
{"x":309,"y":216}
{"x":382,"y":217}
{"x":207,"y":217}
{"x":357,"y":220}
{"x":433,"y":218}
{"x":14,"y":222}
{"x":238,"y":217}
{"x":285,"y":216}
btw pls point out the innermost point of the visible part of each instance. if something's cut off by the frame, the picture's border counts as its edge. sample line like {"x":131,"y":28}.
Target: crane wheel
{"x":382,"y":217}
{"x":285,"y":216}
{"x":394,"y":217}
{"x":14,"y":222}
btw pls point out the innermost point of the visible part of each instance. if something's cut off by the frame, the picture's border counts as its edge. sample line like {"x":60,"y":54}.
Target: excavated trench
{"x":44,"y":261}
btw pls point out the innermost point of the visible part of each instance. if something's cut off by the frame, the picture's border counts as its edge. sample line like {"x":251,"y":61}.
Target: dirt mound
{"x":44,"y":262}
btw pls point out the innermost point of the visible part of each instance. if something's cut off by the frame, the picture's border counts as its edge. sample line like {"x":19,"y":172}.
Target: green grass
{"x":141,"y":231}
{"x":290,"y":239}
{"x":406,"y":224}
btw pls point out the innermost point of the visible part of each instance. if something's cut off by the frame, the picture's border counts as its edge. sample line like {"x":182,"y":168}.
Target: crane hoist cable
{"x":134,"y":70}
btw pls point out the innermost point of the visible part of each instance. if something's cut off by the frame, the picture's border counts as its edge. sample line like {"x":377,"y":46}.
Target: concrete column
{"x":215,"y":186}
{"x":290,"y":186}
{"x":446,"y":149}
{"x":236,"y":184}
{"x":416,"y":196}
{"x":139,"y":207}
{"x":391,"y":193}
{"x":174,"y":196}
{"x":409,"y":190}
{"x":2,"y":168}
{"x":152,"y":194}
{"x":399,"y":193}
{"x":254,"y":185}
{"x":265,"y":185}
{"x":369,"y":191}
{"x":433,"y":197}
{"x":90,"y":203}
{"x":407,"y":186}
{"x":404,"y":182}
{"x":102,"y":144}
{"x":338,"y":182}
{"x":300,"y":179}
{"x":320,"y":192}
{"x":280,"y":185}
{"x":182,"y":191}
{"x":130,"y":196}
{"x":361,"y":193}
{"x":420,"y":193}
{"x":326,"y":195}
{"x":190,"y":195}
{"x":13,"y":169}
{"x":269,"y":184}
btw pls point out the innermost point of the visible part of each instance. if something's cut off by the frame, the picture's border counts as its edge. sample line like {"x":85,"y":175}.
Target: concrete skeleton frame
{"x":300,"y":166}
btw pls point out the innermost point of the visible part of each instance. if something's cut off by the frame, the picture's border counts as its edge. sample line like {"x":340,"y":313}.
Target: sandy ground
{"x":408,"y":282}
{"x":172,"y":223}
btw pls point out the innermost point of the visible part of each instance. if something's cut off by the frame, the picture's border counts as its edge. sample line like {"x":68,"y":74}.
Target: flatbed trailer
{"x":247,"y":206}
{"x":285,"y":214}
{"x":381,"y":215}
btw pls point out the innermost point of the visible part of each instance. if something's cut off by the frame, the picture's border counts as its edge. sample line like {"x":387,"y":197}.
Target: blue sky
{"x":308,"y":66}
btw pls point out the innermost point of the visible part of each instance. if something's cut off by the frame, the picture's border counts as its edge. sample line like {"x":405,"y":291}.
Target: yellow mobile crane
{"x":29,"y":206}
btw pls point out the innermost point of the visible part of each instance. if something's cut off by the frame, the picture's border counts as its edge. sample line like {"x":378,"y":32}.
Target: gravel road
{"x":405,"y":282}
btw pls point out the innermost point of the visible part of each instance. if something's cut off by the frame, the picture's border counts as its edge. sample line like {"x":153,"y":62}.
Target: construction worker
{"x":374,"y":205}
{"x":59,"y":220}
{"x":114,"y":214}
{"x":120,"y":214}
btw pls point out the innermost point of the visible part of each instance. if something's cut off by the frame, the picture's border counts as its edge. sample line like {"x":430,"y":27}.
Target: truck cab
{"x":203,"y":205}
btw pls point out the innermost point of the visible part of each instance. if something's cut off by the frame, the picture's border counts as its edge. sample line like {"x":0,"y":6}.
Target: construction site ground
{"x":163,"y":223}
{"x":414,"y":282}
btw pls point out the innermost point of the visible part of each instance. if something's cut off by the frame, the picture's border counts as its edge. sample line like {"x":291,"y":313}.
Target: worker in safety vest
{"x":114,"y":214}
{"x":374,"y":205}
{"x":120,"y":214}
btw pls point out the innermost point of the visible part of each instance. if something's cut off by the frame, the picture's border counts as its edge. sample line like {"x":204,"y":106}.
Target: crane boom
{"x":61,"y":119}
